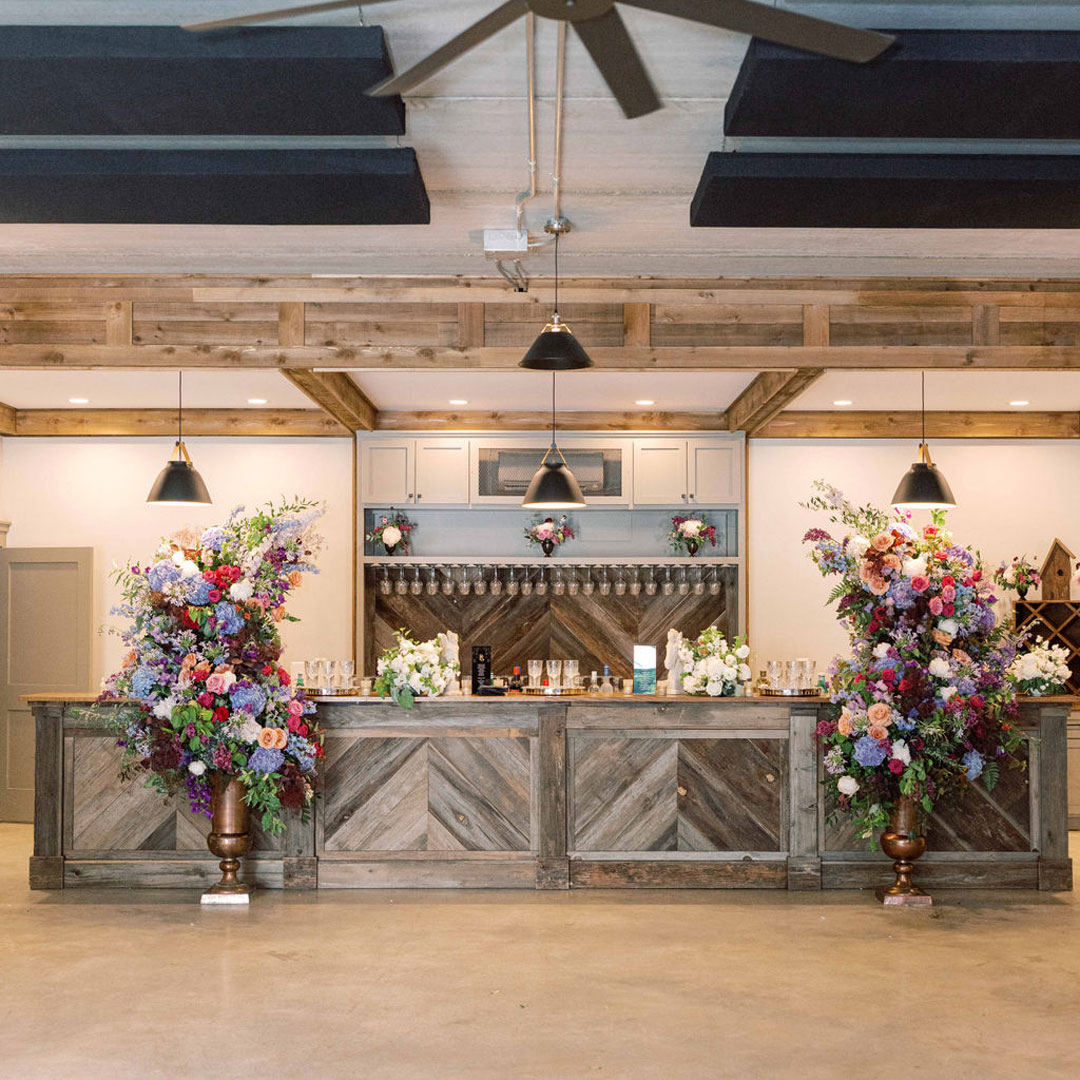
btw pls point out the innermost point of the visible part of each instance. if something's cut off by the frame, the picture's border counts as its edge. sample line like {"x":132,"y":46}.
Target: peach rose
{"x":942,"y":638}
{"x":295,"y":578}
{"x":892,"y":561}
{"x":256,"y":604}
{"x":877,"y":731}
{"x":189,"y":661}
{"x":866,"y":572}
{"x":278,"y":613}
{"x":879,"y":713}
{"x":878,"y":586}
{"x":268,"y":738}
{"x":281,"y":739}
{"x":844,"y":724}
{"x":959,"y":654}
{"x":129,"y":660}
{"x":882,"y":542}
{"x":223,"y":669}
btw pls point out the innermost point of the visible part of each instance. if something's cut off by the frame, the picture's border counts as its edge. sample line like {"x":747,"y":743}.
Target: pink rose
{"x":936,"y":605}
{"x":216,"y":684}
{"x":882,"y":542}
{"x":296,"y":707}
{"x":878,"y":585}
{"x":920,"y":583}
{"x":948,"y":594}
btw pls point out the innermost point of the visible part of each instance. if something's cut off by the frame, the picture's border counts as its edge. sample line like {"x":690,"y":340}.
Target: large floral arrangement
{"x":546,"y":530}
{"x":1043,"y":669}
{"x":202,"y":688}
{"x":925,"y":703}
{"x":688,"y":534}
{"x":416,"y":669}
{"x":391,"y":530}
{"x":1018,"y":574}
{"x":711,"y":666}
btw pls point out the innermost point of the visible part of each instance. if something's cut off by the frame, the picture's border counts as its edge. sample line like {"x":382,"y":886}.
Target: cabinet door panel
{"x":715,"y":472}
{"x":387,"y":471}
{"x":660,"y":472}
{"x":442,"y":472}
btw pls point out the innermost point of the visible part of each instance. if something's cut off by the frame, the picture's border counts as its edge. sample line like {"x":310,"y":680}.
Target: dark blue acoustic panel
{"x":931,"y":84}
{"x":213,"y":187}
{"x":163,"y":80}
{"x":888,"y":191}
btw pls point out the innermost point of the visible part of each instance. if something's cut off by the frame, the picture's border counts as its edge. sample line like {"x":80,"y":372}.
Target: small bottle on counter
{"x":515,"y":685}
{"x":594,"y":684}
{"x":605,"y":686}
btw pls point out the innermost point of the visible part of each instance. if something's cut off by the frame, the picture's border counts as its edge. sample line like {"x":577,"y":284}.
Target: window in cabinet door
{"x":387,"y":472}
{"x":442,"y":472}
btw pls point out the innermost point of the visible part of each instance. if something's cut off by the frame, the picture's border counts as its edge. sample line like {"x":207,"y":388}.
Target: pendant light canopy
{"x":179,"y":483}
{"x":923,"y":486}
{"x":554,"y":486}
{"x":556,"y":349}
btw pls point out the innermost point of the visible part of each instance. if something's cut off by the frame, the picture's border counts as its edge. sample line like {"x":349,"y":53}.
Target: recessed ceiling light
{"x":458,"y":401}
{"x":256,"y":401}
{"x":645,"y":401}
{"x":842,"y":402}
{"x":1018,"y":404}
{"x":78,"y":401}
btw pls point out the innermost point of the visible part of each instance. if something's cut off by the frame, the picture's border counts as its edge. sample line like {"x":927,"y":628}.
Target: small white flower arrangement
{"x":1041,"y":671}
{"x":711,"y":666}
{"x":415,"y":669}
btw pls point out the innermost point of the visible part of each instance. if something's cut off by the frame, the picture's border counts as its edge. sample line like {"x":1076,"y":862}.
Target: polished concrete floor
{"x":472,"y":985}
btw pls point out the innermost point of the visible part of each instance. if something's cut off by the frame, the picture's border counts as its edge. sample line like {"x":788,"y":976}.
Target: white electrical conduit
{"x":530,"y":66}
{"x":560,"y":87}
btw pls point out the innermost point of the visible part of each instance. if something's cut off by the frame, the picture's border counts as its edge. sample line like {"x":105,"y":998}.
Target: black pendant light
{"x":923,"y":487}
{"x":554,"y":486}
{"x":556,"y":349}
{"x":179,"y":482}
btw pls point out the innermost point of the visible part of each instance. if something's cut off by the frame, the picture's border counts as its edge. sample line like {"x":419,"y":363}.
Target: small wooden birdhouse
{"x":1057,"y":572}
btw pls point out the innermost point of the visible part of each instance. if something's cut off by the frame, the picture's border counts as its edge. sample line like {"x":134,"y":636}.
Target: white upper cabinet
{"x":442,"y":472}
{"x":386,"y":472}
{"x":714,"y":472}
{"x":660,"y":472}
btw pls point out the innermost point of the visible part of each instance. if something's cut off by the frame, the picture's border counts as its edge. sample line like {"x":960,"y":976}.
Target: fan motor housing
{"x":570,"y":10}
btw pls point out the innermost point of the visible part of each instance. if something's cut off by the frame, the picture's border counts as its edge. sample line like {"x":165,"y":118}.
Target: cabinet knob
{"x":418,"y":496}
{"x":691,"y":494}
{"x":410,"y":494}
{"x":683,"y":496}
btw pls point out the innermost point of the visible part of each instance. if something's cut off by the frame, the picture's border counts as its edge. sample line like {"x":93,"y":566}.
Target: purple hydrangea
{"x":197,"y":590}
{"x":214,"y":538}
{"x":247,"y":697}
{"x":302,"y":750}
{"x":161,"y":574}
{"x":143,"y":681}
{"x":868,"y":752}
{"x":265,"y":761}
{"x":229,"y":620}
{"x":973,"y":762}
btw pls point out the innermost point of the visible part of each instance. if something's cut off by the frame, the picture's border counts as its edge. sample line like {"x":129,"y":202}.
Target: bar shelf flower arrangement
{"x":548,"y":534}
{"x":1018,"y":575}
{"x":689,"y":534}
{"x":393,"y":531}
{"x":925,"y":706}
{"x":204,"y":701}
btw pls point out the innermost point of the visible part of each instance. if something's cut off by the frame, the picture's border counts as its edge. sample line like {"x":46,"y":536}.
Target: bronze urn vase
{"x":692,"y":547}
{"x":229,"y":839}
{"x":903,"y":843}
{"x":547,"y":546}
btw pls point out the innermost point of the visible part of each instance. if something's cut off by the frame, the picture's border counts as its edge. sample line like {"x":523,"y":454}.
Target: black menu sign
{"x":481,"y":667}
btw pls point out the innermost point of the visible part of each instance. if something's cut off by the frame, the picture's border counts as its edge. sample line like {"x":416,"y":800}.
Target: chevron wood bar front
{"x":460,"y":792}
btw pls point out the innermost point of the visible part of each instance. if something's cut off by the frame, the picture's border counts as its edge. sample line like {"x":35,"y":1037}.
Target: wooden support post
{"x":804,"y":857}
{"x":552,"y":865}
{"x":47,"y":862}
{"x":1055,"y":866}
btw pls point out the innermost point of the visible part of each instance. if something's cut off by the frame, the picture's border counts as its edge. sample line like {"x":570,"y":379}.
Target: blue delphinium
{"x":229,"y":620}
{"x":265,"y":761}
{"x":868,"y":752}
{"x":302,"y":750}
{"x":247,"y":697}
{"x":973,"y":762}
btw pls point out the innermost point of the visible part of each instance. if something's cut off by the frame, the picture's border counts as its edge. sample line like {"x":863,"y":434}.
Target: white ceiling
{"x":148,"y":390}
{"x":627,"y":184}
{"x":578,"y":391}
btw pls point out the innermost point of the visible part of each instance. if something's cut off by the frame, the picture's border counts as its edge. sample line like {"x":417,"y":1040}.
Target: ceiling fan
{"x":605,"y":37}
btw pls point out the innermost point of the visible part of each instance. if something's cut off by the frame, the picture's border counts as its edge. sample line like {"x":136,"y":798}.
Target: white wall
{"x":1013,"y":498}
{"x":92,"y":493}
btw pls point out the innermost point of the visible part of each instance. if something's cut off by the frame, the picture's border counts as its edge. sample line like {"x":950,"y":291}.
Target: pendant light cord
{"x":553,"y":398}
{"x":180,"y":411}
{"x":923,"y":408}
{"x":556,"y":277}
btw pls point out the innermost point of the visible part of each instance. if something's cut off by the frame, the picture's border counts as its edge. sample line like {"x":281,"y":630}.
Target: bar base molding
{"x":617,"y":793}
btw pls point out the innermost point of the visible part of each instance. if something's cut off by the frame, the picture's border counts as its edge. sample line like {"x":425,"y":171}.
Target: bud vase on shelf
{"x":692,"y":547}
{"x":548,"y":546}
{"x":390,"y":548}
{"x":229,"y":839}
{"x":903,"y":842}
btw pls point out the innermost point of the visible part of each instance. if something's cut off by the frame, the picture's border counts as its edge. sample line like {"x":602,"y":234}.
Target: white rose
{"x":847,"y":785}
{"x":881,"y":651}
{"x":914,"y":567}
{"x":163,"y":709}
{"x":901,"y":752}
{"x":744,"y":673}
{"x":939,"y":668}
{"x":859,"y":546}
{"x":691,"y":527}
{"x":947,"y":692}
{"x":391,"y":535}
{"x":949,"y":626}
{"x":196,"y":768}
{"x":742,"y":652}
{"x":240,"y":591}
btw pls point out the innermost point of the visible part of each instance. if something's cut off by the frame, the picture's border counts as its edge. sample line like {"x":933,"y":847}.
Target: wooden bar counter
{"x":553,"y":793}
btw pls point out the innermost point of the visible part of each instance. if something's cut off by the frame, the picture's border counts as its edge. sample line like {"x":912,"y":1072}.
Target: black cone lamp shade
{"x":556,"y":349}
{"x":179,"y":483}
{"x":553,"y":487}
{"x":923,"y":487}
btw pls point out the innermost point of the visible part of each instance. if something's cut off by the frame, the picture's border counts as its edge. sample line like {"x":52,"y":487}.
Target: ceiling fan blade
{"x":775,"y":24}
{"x":281,"y":13}
{"x":614,"y":53}
{"x":455,"y":47}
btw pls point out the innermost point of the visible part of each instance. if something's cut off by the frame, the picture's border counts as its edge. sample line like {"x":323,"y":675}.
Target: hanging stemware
{"x":650,"y":581}
{"x":385,"y":585}
{"x":512,"y":583}
{"x":635,"y":583}
{"x":496,"y":582}
{"x":401,"y":586}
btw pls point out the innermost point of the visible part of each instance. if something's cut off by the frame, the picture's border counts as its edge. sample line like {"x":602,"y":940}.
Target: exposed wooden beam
{"x":613,"y":358}
{"x":8,"y":420}
{"x":908,"y":425}
{"x":985,"y":324}
{"x":118,"y":323}
{"x":816,"y":324}
{"x":637,"y":324}
{"x":471,"y":325}
{"x":767,"y":395}
{"x":248,"y":422}
{"x":338,"y":395}
{"x":537,"y":421}
{"x":292,"y":323}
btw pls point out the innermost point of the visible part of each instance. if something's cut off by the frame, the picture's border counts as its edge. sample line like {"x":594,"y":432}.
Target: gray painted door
{"x":45,"y":647}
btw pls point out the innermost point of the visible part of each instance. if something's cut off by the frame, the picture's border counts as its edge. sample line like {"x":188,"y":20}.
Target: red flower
{"x":283,"y":676}
{"x":205,"y":699}
{"x":268,"y":669}
{"x":976,"y":575}
{"x":873,"y":627}
{"x":304,"y":729}
{"x":188,"y":621}
{"x":860,"y":677}
{"x":896,"y":766}
{"x":905,"y":684}
{"x":214,"y":595}
{"x":221,"y":714}
{"x":888,"y":675}
{"x":208,"y":575}
{"x":948,"y":609}
{"x":948,"y":579}
{"x":318,"y":750}
{"x":200,"y":676}
{"x":293,"y":723}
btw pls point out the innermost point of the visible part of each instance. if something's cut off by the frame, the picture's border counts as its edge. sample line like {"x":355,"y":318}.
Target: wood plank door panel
{"x":45,"y":647}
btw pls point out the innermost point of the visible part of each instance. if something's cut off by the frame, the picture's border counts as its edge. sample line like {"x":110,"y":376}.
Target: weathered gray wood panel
{"x":668,"y":874}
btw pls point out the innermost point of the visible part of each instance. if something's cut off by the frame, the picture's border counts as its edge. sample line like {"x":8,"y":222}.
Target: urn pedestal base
{"x":229,"y":839}
{"x":902,"y":842}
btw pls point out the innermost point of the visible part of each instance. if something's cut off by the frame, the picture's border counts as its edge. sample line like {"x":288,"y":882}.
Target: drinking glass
{"x":464,"y":585}
{"x":480,"y":583}
{"x":385,"y":586}
{"x":588,"y":585}
{"x":570,"y":672}
{"x":325,"y":673}
{"x":605,"y":585}
{"x":775,"y":670}
{"x":512,"y":585}
{"x":559,"y":585}
{"x":536,"y":669}
{"x":344,"y":670}
{"x":650,"y":582}
{"x":527,"y":582}
{"x":684,"y":585}
{"x":416,"y":587}
{"x":541,"y":582}
{"x":401,"y":586}
{"x":573,"y":584}
{"x":806,"y":672}
{"x":447,"y":581}
{"x":699,"y":581}
{"x":496,"y":582}
{"x":432,"y":586}
{"x":554,"y":670}
{"x":311,"y":674}
{"x":669,"y":586}
{"x":635,"y":583}
{"x":628,"y":687}
{"x":620,"y":582}
{"x":365,"y":687}
{"x":791,"y":675}
{"x":714,"y":582}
